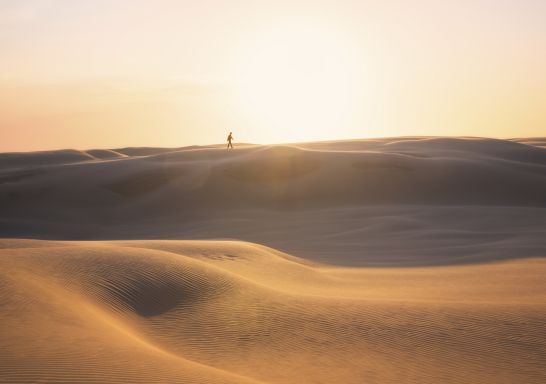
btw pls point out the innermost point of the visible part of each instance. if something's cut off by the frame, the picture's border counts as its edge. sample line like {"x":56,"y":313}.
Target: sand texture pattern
{"x":235,"y":312}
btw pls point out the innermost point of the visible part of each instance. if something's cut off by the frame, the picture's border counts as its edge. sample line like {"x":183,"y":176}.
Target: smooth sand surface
{"x":400,"y":260}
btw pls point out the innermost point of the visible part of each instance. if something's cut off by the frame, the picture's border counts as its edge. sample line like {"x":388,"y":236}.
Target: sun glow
{"x":300,"y":82}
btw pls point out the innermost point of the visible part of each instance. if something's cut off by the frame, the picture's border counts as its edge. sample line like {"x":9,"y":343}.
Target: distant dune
{"x":404,"y":200}
{"x":396,"y":260}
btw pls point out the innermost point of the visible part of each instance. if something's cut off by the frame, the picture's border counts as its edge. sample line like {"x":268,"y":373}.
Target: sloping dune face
{"x":235,"y":312}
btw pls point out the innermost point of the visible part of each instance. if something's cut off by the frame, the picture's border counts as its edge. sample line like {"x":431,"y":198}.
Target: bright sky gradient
{"x":115,"y":73}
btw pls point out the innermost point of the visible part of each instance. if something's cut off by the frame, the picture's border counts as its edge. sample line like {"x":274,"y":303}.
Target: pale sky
{"x":116,"y":73}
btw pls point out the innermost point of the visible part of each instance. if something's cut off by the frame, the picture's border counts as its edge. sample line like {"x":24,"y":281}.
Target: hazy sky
{"x":112,"y":73}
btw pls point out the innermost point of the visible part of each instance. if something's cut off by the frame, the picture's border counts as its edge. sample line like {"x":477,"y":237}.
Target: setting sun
{"x":300,"y":82}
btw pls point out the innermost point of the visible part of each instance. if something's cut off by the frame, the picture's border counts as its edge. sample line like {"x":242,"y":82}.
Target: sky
{"x":117,"y":73}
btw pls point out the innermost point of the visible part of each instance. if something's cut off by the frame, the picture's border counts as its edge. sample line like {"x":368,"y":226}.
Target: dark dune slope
{"x":173,"y":193}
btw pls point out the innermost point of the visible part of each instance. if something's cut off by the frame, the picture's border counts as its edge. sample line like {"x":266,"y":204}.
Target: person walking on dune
{"x":229,"y":139}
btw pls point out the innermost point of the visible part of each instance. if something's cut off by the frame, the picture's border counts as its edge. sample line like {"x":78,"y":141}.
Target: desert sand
{"x":397,"y":260}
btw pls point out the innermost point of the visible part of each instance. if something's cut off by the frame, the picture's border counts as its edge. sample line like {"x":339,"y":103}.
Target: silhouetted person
{"x":229,"y":139}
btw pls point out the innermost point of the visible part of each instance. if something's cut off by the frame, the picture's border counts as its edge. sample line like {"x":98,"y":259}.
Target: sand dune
{"x":361,"y":202}
{"x":397,"y":260}
{"x":222,"y":312}
{"x":32,"y":159}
